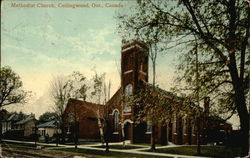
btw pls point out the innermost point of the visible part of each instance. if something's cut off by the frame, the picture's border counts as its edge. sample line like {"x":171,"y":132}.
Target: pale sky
{"x":39,"y":43}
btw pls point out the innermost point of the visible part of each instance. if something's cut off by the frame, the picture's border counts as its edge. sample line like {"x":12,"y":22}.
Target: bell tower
{"x":134,"y":67}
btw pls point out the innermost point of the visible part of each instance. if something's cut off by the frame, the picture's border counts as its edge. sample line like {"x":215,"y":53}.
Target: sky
{"x":41,"y":43}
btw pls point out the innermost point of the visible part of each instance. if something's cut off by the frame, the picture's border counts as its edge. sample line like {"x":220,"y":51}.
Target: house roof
{"x":17,"y":117}
{"x":29,"y":118}
{"x":50,"y":124}
{"x":83,"y":109}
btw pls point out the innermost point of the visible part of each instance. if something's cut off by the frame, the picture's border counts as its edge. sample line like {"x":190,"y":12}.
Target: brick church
{"x":134,"y":75}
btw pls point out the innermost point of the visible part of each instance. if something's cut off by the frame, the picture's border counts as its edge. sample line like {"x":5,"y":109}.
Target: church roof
{"x":84,"y":109}
{"x":116,"y":98}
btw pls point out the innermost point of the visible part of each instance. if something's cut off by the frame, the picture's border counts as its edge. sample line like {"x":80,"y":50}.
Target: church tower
{"x":134,"y":68}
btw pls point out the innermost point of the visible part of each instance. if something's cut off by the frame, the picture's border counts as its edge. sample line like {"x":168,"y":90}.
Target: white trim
{"x":127,"y":113}
{"x":148,"y":132}
{"x":115,"y":133}
{"x":144,"y":73}
{"x":113,"y":112}
{"x":127,"y":120}
{"x":133,"y":46}
{"x":127,"y":72}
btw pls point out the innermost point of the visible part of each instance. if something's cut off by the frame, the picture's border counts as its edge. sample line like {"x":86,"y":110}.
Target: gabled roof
{"x":50,"y":124}
{"x":17,"y":117}
{"x":116,"y":98}
{"x":172,"y":95}
{"x":192,"y":104}
{"x":84,"y":109}
{"x":29,"y":118}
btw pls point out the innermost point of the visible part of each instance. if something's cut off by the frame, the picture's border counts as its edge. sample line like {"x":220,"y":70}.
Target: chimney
{"x":206,"y":106}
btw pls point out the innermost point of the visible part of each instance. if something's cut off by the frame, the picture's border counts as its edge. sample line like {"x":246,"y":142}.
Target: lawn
{"x":127,"y":147}
{"x":210,"y":151}
{"x":106,"y":154}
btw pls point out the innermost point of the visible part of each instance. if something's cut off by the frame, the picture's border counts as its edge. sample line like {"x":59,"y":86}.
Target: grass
{"x":106,"y":154}
{"x":121,"y":147}
{"x":210,"y":151}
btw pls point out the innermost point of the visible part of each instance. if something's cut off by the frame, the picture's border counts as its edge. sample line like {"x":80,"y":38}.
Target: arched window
{"x":128,"y":90}
{"x":116,"y":121}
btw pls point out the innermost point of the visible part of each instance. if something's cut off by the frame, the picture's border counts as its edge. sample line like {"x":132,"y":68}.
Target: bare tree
{"x":60,"y":94}
{"x":99,"y":89}
{"x":65,"y":87}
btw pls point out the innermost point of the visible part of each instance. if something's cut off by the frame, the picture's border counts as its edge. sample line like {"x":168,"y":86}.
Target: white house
{"x":47,"y":128}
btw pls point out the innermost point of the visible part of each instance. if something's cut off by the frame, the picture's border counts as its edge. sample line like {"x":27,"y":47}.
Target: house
{"x":10,"y":120}
{"x":27,"y":125}
{"x":4,"y":114}
{"x":48,"y":128}
{"x":83,"y":117}
{"x":134,"y":78}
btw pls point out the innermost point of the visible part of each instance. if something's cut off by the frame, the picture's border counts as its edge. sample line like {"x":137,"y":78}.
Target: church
{"x":134,"y":76}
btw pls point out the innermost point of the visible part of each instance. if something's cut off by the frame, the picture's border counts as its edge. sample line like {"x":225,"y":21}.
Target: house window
{"x":116,"y":121}
{"x":43,"y":132}
{"x":149,"y":126}
{"x":128,"y":90}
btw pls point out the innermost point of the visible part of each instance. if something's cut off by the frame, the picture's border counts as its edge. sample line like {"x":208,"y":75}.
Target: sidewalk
{"x":133,"y":151}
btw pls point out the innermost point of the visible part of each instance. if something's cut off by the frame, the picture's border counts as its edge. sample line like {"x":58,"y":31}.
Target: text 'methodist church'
{"x":134,"y":73}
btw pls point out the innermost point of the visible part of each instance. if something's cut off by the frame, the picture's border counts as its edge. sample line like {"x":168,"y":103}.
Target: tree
{"x":47,"y":116}
{"x":63,"y":88}
{"x":96,"y":94}
{"x":220,"y":32}
{"x":11,"y":91}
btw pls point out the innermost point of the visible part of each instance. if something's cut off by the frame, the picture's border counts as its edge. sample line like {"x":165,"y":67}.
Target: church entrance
{"x":170,"y":132}
{"x":127,"y":131}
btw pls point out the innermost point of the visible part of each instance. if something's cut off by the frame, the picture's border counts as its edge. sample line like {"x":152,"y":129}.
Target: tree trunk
{"x":244,"y":122}
{"x":198,"y":137}
{"x":63,"y":134}
{"x":76,"y":134}
{"x":107,"y":135}
{"x":123,"y":137}
{"x":240,"y":102}
{"x":153,"y":137}
{"x":153,"y":124}
{"x":1,"y":130}
{"x":100,"y":126}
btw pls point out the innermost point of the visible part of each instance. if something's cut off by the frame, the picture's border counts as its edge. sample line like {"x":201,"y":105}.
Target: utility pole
{"x":198,"y":99}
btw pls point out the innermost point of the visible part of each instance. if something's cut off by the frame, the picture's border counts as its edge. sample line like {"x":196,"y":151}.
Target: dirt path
{"x":26,"y":152}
